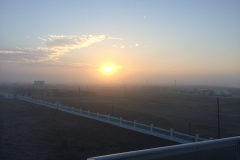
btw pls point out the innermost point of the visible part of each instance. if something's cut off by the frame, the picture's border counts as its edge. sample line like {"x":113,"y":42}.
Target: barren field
{"x":30,"y":131}
{"x":163,"y":108}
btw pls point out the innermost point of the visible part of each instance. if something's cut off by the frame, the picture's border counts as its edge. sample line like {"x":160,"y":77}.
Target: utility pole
{"x":33,"y":91}
{"x":112,"y":110}
{"x":175,"y":85}
{"x":79,"y":96}
{"x":125,"y":90}
{"x":218,"y":118}
{"x":14,"y":94}
{"x":42,"y":93}
{"x":190,"y":129}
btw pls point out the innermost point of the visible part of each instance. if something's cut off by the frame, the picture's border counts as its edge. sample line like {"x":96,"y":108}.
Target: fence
{"x":39,"y":102}
{"x":7,"y":95}
{"x":146,"y":129}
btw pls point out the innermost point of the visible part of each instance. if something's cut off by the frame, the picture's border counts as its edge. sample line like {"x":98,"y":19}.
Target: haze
{"x":193,"y":42}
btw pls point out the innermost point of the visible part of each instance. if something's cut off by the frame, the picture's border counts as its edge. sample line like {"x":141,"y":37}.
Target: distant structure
{"x":213,"y":92}
{"x":206,"y":92}
{"x":39,"y":84}
{"x":188,"y":90}
{"x":222,"y":92}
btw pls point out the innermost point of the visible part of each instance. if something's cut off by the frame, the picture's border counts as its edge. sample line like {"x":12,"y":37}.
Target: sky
{"x":125,"y":41}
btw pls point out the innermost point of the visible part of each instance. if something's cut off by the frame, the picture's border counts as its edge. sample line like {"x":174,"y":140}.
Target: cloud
{"x":4,"y":51}
{"x":57,"y":45}
{"x":23,"y":55}
{"x":53,"y":47}
{"x":115,"y":38}
{"x":48,"y":64}
{"x":122,"y":46}
{"x":136,"y":44}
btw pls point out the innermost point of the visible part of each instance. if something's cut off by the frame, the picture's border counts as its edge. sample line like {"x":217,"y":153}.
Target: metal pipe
{"x":173,"y":150}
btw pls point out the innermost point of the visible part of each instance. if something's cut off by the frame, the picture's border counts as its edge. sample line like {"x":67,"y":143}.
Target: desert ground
{"x":29,"y":131}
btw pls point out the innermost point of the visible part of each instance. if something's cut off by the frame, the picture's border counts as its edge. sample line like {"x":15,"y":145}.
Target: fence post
{"x":171,"y":131}
{"x":151,"y":127}
{"x":57,"y":105}
{"x":135,"y":123}
{"x":120,"y":120}
{"x":80,"y":111}
{"x":196,"y":138}
{"x":238,"y":151}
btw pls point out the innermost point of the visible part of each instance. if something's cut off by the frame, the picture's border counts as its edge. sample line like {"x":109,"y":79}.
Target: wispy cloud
{"x":23,"y":55}
{"x":115,"y":38}
{"x":57,"y":45}
{"x":53,"y":47}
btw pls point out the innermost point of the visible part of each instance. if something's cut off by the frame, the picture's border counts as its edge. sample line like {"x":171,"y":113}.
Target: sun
{"x":108,"y":69}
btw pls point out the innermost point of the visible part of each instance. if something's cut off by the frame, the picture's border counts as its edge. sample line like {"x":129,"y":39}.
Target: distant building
{"x":214,"y":92}
{"x":39,"y":84}
{"x":217,"y":92}
{"x":187,"y":90}
{"x":205,"y":92}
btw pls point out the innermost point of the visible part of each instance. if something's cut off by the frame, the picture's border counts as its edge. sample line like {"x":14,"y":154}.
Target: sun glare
{"x":108,"y":69}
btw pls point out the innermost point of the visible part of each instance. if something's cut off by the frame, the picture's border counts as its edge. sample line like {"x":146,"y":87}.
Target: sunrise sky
{"x":106,"y":41}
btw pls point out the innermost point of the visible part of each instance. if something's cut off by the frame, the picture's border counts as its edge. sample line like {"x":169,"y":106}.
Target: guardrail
{"x":39,"y":102}
{"x":7,"y":95}
{"x":146,"y":129}
{"x":175,"y":150}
